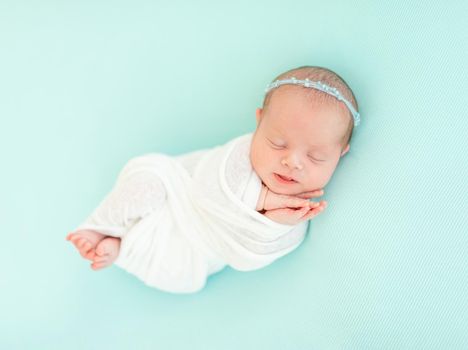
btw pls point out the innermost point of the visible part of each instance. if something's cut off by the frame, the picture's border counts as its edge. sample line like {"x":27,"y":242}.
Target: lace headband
{"x":319,"y":86}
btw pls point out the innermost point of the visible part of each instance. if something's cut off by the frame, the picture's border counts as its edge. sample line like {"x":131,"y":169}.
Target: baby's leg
{"x":127,"y":203}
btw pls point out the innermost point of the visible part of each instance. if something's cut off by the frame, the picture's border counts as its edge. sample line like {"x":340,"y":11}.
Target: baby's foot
{"x":107,"y":252}
{"x":85,"y":242}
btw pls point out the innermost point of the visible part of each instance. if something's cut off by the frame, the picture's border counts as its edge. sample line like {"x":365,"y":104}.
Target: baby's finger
{"x":321,"y":204}
{"x":293,"y":202}
{"x":299,"y":213}
{"x":311,"y":194}
{"x":310,"y":215}
{"x":314,"y":204}
{"x":314,"y":212}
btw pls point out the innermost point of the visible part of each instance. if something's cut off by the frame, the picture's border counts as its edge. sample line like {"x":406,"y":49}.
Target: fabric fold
{"x":202,"y":225}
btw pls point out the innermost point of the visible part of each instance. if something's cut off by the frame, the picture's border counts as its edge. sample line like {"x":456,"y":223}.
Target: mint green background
{"x":85,"y":85}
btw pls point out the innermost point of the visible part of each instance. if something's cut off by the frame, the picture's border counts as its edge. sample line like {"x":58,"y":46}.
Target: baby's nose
{"x":292,"y":162}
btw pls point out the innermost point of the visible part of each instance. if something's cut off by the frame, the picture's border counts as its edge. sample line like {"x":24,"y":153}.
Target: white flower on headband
{"x":319,"y":86}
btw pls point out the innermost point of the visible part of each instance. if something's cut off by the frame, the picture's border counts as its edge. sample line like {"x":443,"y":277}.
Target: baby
{"x":303,"y":129}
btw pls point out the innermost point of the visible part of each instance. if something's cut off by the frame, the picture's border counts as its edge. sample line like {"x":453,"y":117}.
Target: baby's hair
{"x":328,"y":77}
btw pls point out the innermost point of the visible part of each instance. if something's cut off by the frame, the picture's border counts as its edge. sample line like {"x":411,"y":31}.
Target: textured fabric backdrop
{"x":86,"y":85}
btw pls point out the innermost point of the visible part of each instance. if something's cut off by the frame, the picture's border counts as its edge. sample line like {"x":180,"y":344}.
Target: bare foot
{"x":107,"y":252}
{"x":85,"y":242}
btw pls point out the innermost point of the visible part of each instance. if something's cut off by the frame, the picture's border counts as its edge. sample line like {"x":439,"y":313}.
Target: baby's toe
{"x":100,"y":259}
{"x":103,"y":249}
{"x":73,"y":238}
{"x":84,"y":243}
{"x":96,"y":266}
{"x":86,"y":249}
{"x":99,"y":265}
{"x":90,"y":255}
{"x":78,"y":242}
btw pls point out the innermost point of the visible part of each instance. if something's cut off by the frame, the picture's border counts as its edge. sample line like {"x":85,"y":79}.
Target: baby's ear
{"x":258,"y":114}
{"x":345,"y":150}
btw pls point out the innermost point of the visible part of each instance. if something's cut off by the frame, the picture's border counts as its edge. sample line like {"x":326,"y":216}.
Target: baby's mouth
{"x":284,"y":179}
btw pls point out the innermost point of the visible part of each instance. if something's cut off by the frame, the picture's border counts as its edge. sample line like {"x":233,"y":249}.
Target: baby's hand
{"x":271,"y":200}
{"x":289,"y":209}
{"x":288,"y":216}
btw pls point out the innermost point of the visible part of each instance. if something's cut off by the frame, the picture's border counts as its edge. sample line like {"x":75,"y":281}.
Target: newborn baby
{"x":303,"y":129}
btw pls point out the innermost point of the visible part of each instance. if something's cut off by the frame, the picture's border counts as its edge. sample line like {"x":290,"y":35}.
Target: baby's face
{"x":298,"y":139}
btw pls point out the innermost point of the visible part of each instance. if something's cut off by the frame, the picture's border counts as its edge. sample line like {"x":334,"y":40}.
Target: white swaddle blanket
{"x":205,"y":221}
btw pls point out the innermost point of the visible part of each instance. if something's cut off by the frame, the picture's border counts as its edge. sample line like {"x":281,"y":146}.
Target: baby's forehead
{"x":307,"y":107}
{"x":319,"y":118}
{"x":319,"y":135}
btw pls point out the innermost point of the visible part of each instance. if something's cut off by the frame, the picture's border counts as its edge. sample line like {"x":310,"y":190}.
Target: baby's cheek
{"x":255,"y":157}
{"x":323,"y":177}
{"x":264,"y":163}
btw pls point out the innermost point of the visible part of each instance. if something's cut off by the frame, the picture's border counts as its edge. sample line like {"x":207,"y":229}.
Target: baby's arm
{"x":289,"y":209}
{"x":271,"y":200}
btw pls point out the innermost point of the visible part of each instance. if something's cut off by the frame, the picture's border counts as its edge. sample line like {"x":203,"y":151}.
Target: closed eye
{"x":317,"y":160}
{"x":280,"y":147}
{"x":273,"y":145}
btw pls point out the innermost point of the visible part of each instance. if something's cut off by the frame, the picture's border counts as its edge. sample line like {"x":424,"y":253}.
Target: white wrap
{"x":201,"y":225}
